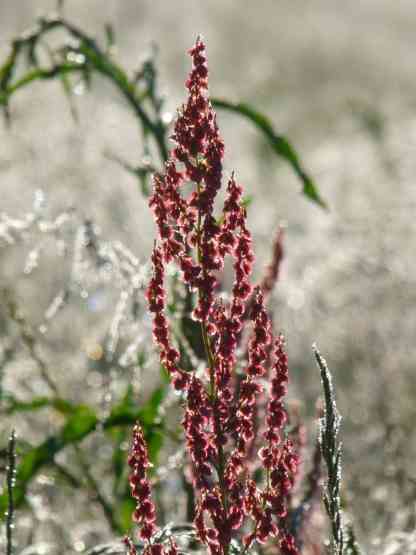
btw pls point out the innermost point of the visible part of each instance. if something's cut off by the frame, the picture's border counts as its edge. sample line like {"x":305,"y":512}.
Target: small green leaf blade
{"x":280,"y":145}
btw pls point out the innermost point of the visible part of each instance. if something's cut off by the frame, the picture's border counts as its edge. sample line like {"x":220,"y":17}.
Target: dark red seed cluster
{"x":155,"y":294}
{"x":220,"y":410}
{"x":145,"y":513}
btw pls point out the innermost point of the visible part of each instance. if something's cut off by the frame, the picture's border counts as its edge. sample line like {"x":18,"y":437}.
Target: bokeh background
{"x":338,"y":79}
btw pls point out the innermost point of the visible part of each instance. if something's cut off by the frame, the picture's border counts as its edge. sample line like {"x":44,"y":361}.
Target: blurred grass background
{"x":338,"y":79}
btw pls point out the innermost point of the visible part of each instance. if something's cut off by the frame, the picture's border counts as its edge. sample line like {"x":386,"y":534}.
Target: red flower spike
{"x":144,"y":514}
{"x":220,"y":424}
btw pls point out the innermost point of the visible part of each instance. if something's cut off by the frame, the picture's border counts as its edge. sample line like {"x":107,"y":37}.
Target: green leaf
{"x":16,"y":405}
{"x":279,"y":144}
{"x":7,"y":69}
{"x":125,"y":509}
{"x":147,"y":414}
{"x":78,"y":426}
{"x":154,"y":440}
{"x":150,"y":411}
{"x":125,"y":412}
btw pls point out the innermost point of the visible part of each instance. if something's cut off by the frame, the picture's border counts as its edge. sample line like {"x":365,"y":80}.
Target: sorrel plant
{"x":222,"y":402}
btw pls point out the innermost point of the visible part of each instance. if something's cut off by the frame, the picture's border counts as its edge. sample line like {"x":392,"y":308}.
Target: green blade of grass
{"x":280,"y":145}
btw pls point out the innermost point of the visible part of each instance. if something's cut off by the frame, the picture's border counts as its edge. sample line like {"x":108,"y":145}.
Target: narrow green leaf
{"x":279,"y":144}
{"x":150,"y":411}
{"x":79,"y":425}
{"x":125,"y":510}
{"x":12,"y":404}
{"x":154,"y":440}
{"x":147,"y":414}
{"x":124,"y":412}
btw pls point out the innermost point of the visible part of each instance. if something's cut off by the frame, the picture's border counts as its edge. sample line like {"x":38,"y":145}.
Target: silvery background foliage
{"x":338,"y":79}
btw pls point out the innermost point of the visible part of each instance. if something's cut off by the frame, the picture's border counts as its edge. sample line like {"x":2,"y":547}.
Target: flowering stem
{"x":205,"y":338}
{"x":191,"y":236}
{"x":213,"y":390}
